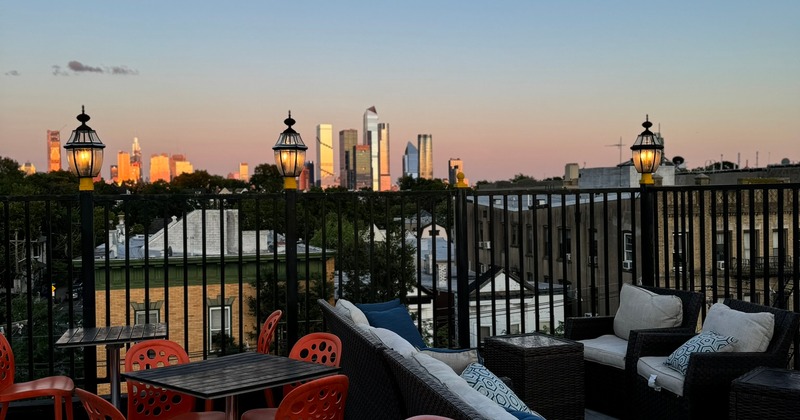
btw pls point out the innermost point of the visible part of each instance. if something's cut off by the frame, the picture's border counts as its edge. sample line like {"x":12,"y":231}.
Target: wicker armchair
{"x":708,"y":379}
{"x":607,"y":389}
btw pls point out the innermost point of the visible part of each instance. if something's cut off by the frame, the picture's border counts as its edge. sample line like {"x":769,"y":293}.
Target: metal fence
{"x":469,"y":263}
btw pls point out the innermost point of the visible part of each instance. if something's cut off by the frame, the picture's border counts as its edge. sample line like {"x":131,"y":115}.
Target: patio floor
{"x":594,"y":415}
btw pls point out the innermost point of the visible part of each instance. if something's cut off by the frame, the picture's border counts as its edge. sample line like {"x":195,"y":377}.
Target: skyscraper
{"x":53,"y":150}
{"x":425,"y":148}
{"x":371,"y":140}
{"x":411,"y":161}
{"x":124,"y":167}
{"x":324,"y":174}
{"x":179,"y":165}
{"x":137,"y":165}
{"x":454,"y":165}
{"x":244,"y":172}
{"x":159,"y":168}
{"x":383,"y":157}
{"x":361,"y":167}
{"x":347,"y":140}
{"x":115,"y":174}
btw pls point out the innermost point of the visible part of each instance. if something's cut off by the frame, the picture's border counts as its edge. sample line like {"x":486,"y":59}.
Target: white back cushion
{"x":642,"y":309}
{"x":356,"y":315}
{"x":753,"y":331}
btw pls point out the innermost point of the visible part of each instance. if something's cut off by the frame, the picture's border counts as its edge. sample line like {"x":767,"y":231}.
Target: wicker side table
{"x":547,"y":372}
{"x":766,"y":393}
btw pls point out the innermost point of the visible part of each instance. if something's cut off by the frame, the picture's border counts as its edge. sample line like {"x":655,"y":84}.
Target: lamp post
{"x":647,"y":152}
{"x":290,"y":155}
{"x":85,"y":157}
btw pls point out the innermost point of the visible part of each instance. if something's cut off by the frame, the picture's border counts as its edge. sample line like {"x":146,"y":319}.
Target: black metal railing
{"x":469,"y":263}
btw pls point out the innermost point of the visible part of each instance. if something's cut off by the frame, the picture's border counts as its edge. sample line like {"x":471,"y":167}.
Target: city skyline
{"x":524,"y":88}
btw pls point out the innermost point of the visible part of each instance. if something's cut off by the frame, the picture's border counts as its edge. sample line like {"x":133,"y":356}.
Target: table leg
{"x":231,"y":408}
{"x":112,"y":355}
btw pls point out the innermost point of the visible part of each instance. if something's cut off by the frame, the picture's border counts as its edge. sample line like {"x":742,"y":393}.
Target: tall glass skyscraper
{"x":348,"y":139}
{"x":324,"y":174}
{"x":383,"y":157}
{"x":371,"y":140}
{"x":411,"y":161}
{"x":425,"y":148}
{"x":361,"y":169}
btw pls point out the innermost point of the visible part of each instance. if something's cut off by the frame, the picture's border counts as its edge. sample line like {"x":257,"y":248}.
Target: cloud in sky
{"x":78,"y":67}
{"x":12,"y":73}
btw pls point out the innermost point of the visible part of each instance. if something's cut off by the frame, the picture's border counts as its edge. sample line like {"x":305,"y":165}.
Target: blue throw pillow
{"x":397,"y":320}
{"x":522,"y":415}
{"x":380,"y":306}
{"x":705,"y":342}
{"x":484,"y":381}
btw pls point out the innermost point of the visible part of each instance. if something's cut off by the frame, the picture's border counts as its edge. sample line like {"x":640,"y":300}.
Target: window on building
{"x":215,"y":323}
{"x":627,"y":246}
{"x":547,"y":242}
{"x":779,"y":242}
{"x":514,"y":329}
{"x":529,"y":239}
{"x":140,"y":316}
{"x":564,"y":243}
{"x":514,"y":238}
{"x":722,"y":245}
{"x":750,"y":250}
{"x":593,"y":247}
{"x":485,"y":332}
{"x":678,"y":251}
{"x":480,"y":231}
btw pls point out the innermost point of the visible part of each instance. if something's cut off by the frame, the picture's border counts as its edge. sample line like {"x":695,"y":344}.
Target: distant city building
{"x":159,"y":168}
{"x":324,"y":171}
{"x":28,"y":168}
{"x":455,"y":165}
{"x":115,"y":174}
{"x":383,"y":157}
{"x":362,"y":170}
{"x":53,"y":150}
{"x":371,"y":140}
{"x":124,"y":167}
{"x":306,"y":179}
{"x":137,"y":164}
{"x":425,"y":149}
{"x":244,"y":172}
{"x":411,"y":161}
{"x":179,"y":165}
{"x":348,"y":139}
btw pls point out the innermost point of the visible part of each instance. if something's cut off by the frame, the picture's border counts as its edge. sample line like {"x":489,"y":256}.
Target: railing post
{"x":291,"y":267}
{"x":462,"y":264}
{"x":87,"y":276}
{"x":648,"y":236}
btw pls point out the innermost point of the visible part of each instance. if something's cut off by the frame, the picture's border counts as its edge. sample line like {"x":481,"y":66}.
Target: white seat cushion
{"x":642,"y":309}
{"x":666,"y":378}
{"x":607,"y":350}
{"x":753,"y":331}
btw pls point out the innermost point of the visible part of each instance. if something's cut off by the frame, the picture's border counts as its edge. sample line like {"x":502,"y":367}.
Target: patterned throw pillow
{"x":705,"y":342}
{"x":484,"y":381}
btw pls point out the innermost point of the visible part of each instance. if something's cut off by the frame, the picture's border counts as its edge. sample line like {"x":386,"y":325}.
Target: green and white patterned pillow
{"x":705,"y":342}
{"x":487,"y":383}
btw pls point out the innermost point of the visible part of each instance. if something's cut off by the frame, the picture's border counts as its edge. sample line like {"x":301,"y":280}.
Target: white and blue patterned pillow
{"x":485,"y":382}
{"x":705,"y":342}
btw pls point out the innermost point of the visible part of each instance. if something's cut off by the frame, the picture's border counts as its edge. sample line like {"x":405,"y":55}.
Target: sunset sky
{"x":507,"y":86}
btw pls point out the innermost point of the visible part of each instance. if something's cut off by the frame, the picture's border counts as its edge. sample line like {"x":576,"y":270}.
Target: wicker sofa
{"x":384,"y":385}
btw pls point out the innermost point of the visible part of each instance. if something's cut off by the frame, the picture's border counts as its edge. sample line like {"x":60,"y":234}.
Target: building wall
{"x":384,"y":161}
{"x":425,"y":150}
{"x":53,"y":150}
{"x":159,"y":168}
{"x":371,"y":140}
{"x":324,"y":170}
{"x":348,"y":139}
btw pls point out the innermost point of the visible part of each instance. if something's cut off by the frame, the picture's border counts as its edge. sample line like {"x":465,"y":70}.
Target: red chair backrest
{"x":7,"y":368}
{"x":322,"y":398}
{"x":96,"y":407}
{"x":320,"y":347}
{"x":145,"y":401}
{"x":267,"y":333}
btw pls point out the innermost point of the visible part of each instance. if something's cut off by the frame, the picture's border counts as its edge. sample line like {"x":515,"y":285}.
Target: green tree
{"x":266,"y":178}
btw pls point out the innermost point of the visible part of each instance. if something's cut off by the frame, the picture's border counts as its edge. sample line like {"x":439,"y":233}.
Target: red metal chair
{"x":322,"y":398}
{"x":147,"y":402}
{"x":96,"y":407}
{"x":320,"y":347}
{"x":267,"y":333}
{"x":265,"y":338}
{"x":58,"y":387}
